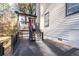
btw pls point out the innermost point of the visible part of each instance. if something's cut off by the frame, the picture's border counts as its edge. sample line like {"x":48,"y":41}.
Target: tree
{"x":22,"y":7}
{"x":6,"y":23}
{"x":26,"y":7}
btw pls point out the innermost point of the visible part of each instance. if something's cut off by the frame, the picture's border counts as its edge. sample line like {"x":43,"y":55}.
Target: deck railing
{"x":39,"y":32}
{"x":14,"y":41}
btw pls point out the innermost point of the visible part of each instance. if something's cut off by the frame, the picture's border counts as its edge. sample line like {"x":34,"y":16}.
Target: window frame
{"x":46,"y":24}
{"x":66,"y":9}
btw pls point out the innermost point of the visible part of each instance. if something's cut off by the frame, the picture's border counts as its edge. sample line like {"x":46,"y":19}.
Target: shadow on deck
{"x":27,"y":48}
{"x":59,"y":52}
{"x":40,"y":48}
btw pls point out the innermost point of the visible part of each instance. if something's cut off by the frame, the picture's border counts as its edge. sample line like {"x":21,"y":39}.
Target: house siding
{"x":60,"y":25}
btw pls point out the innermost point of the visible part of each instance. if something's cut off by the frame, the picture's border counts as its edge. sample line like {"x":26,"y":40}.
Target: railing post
{"x":12,"y":43}
{"x":42,"y":36}
{"x":1,"y":49}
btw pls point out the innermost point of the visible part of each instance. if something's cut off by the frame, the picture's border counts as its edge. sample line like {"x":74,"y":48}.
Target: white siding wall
{"x":60,"y":26}
{"x":38,"y":13}
{"x":41,"y":17}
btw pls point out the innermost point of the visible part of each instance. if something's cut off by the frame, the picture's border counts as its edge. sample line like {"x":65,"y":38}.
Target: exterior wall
{"x":38,"y":14}
{"x":60,"y":26}
{"x":41,"y":17}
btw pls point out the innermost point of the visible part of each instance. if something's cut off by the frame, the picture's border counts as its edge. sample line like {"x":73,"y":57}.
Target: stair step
{"x":24,"y":30}
{"x":25,"y":33}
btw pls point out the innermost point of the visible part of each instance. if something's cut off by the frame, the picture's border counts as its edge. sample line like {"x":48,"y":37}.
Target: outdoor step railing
{"x":39,"y":32}
{"x":14,"y":41}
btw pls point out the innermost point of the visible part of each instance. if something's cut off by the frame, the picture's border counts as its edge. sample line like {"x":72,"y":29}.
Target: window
{"x":46,"y":19}
{"x":22,"y":19}
{"x":72,"y":8}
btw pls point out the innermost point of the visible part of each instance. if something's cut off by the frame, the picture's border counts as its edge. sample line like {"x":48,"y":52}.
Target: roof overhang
{"x":28,"y":15}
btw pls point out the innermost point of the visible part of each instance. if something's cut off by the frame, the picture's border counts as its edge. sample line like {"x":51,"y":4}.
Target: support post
{"x":42,"y":36}
{"x":1,"y":49}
